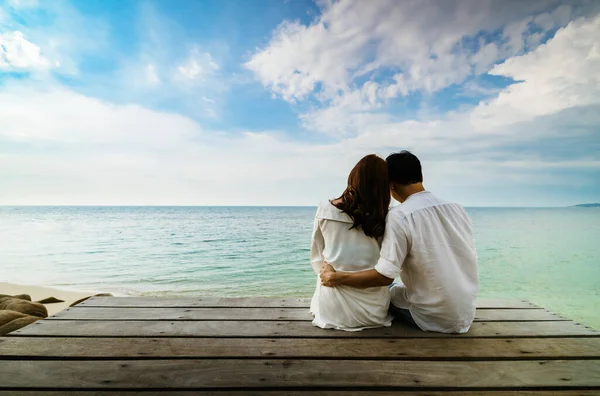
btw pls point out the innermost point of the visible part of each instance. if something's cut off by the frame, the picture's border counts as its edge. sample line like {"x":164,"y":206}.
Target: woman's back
{"x":348,"y":250}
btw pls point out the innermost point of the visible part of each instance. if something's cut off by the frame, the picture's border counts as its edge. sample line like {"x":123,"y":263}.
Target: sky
{"x":234,"y":102}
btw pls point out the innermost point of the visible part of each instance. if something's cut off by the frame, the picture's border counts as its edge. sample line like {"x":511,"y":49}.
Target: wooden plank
{"x":494,"y":303}
{"x":306,"y":393}
{"x":109,"y":328}
{"x":254,"y":302}
{"x":231,"y":374}
{"x":192,"y":302}
{"x":111,"y":313}
{"x":103,"y":313}
{"x":419,"y":348}
{"x":515,"y":315}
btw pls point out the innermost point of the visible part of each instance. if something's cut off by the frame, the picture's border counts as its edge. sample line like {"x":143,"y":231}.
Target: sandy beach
{"x":40,"y":292}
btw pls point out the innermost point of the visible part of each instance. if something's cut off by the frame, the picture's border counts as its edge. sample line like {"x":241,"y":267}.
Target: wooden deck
{"x":212,"y":346}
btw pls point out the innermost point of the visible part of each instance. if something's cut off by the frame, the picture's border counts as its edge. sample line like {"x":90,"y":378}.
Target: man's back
{"x":429,"y":243}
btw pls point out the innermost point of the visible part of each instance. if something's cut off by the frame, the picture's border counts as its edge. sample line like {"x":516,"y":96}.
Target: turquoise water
{"x":549,"y":256}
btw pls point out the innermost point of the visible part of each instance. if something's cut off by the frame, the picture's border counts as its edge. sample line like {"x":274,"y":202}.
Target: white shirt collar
{"x":416,"y":194}
{"x":328,"y":211}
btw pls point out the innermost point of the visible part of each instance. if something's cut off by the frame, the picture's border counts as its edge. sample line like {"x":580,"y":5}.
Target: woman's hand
{"x":327,"y":275}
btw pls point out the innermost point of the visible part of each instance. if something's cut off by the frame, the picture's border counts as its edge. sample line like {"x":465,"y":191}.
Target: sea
{"x":550,"y":256}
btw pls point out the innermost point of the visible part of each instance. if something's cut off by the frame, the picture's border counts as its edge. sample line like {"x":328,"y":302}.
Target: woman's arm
{"x":317,"y":247}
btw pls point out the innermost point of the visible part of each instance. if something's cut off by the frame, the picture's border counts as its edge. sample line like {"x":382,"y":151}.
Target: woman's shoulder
{"x":327,"y":211}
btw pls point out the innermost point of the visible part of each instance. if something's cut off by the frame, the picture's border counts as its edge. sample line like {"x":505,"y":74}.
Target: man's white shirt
{"x":429,"y":243}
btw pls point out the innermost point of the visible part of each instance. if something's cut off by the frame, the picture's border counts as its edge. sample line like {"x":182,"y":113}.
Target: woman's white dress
{"x":344,"y":307}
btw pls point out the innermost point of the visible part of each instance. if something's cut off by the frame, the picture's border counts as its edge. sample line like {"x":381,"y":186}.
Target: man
{"x":428,"y":242}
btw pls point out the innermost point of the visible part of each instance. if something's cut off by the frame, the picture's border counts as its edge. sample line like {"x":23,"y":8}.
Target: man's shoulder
{"x":396,"y":210}
{"x":422,"y":204}
{"x":397,"y":213}
{"x":455,"y":207}
{"x":397,"y":217}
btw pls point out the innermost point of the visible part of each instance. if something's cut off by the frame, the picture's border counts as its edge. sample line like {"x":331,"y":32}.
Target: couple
{"x":359,"y":248}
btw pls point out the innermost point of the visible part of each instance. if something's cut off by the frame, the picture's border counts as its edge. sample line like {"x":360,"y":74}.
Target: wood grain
{"x":419,"y":348}
{"x":231,"y":374}
{"x":305,"y":393}
{"x":254,"y":302}
{"x":107,"y":328}
{"x":113,"y":313}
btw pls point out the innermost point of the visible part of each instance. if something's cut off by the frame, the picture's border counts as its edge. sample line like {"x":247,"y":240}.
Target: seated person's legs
{"x":401,"y":314}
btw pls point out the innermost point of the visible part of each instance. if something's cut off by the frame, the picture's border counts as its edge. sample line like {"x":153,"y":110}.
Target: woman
{"x":347,"y":234}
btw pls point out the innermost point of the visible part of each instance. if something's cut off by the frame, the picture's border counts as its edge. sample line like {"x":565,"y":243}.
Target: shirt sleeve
{"x":394,"y":248}
{"x":317,"y":247}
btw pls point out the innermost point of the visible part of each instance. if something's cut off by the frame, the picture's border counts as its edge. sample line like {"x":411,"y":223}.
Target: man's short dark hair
{"x":404,"y":168}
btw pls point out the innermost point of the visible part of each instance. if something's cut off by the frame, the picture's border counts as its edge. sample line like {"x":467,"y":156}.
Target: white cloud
{"x":556,"y":104}
{"x":23,"y":3}
{"x":474,"y":88}
{"x":170,"y":69}
{"x":17,"y":53}
{"x":563,"y":73}
{"x":423,"y":40}
{"x":65,"y":37}
{"x":198,"y":66}
{"x":55,"y":115}
{"x":154,"y":77}
{"x":82,"y":150}
{"x":151,"y":75}
{"x":297,"y":58}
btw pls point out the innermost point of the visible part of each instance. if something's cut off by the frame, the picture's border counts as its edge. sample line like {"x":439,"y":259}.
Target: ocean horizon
{"x":547,"y":255}
{"x":271,"y":206}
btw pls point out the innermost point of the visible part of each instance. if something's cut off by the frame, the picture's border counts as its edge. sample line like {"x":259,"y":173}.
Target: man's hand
{"x":327,"y":275}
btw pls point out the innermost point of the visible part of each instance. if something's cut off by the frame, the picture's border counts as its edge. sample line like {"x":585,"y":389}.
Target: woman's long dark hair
{"x":367,"y":198}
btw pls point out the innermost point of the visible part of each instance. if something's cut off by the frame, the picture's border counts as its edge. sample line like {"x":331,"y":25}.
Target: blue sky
{"x":272,"y":102}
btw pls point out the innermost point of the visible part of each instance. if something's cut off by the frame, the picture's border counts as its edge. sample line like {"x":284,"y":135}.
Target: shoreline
{"x":40,"y":292}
